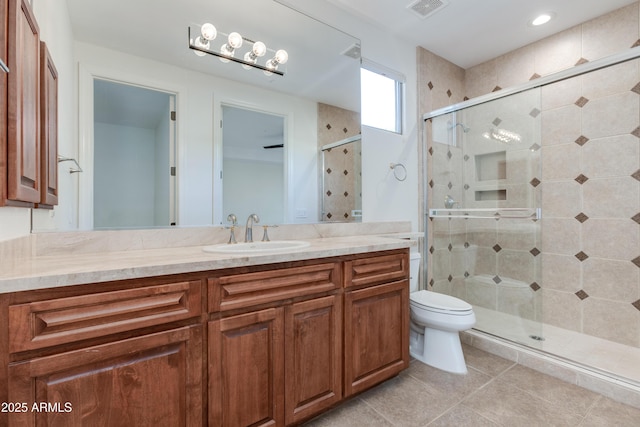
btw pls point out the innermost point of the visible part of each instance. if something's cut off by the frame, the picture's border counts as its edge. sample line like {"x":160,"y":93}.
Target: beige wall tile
{"x":560,"y":236}
{"x":611,"y":197}
{"x":516,"y":66}
{"x":558,"y":52}
{"x":561,"y":199}
{"x":610,"y":238}
{"x":612,"y":320}
{"x":611,"y":279}
{"x":611,"y":156}
{"x":612,"y":115}
{"x":561,"y":125}
{"x":611,"y":80}
{"x":610,"y":33}
{"x":560,"y":162}
{"x":561,"y":309}
{"x":561,"y":272}
{"x":560,"y":94}
{"x":481,"y":79}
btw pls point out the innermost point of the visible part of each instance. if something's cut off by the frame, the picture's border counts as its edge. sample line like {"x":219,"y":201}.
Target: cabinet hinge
{"x":173,"y":116}
{"x":173,"y":171}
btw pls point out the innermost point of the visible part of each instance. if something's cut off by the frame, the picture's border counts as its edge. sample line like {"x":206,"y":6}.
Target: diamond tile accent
{"x":431,"y":150}
{"x":345,"y":194}
{"x":466,"y":186}
{"x":450,"y":247}
{"x":636,"y":88}
{"x":329,"y":215}
{"x":581,"y":179}
{"x":534,"y":286}
{"x":329,"y":170}
{"x":497,"y":121}
{"x":450,"y":186}
{"x":345,"y":130}
{"x":636,"y":304}
{"x":581,"y":140}
{"x":345,"y":215}
{"x":535,"y":147}
{"x":466,"y":98}
{"x":432,"y":250}
{"x":431,"y":183}
{"x":637,"y":43}
{"x":466,"y":157}
{"x":581,"y":256}
{"x":497,"y":279}
{"x":636,"y":218}
{"x":345,"y":172}
{"x":534,"y":113}
{"x":449,"y":93}
{"x":329,"y":193}
{"x":534,"y":252}
{"x":636,"y":175}
{"x":636,"y":132}
{"x":535,"y":76}
{"x":636,"y":261}
{"x":449,"y":155}
{"x":582,"y":61}
{"x":450,"y":278}
{"x":466,"y":274}
{"x":497,"y":247}
{"x":582,"y":294}
{"x":345,"y":151}
{"x":581,"y":217}
{"x":497,"y":88}
{"x":431,"y":283}
{"x":466,"y":244}
{"x":535,"y":182}
{"x":581,"y":102}
{"x":328,"y":126}
{"x":430,"y":85}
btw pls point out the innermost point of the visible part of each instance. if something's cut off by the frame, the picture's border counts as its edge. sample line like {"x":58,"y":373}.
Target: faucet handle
{"x":233,"y":219}
{"x":265,"y":234}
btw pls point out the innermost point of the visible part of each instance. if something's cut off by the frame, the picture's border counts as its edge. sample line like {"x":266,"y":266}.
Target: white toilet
{"x":436,"y":320}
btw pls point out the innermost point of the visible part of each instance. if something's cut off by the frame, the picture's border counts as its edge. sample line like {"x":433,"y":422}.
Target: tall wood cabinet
{"x":22,"y":182}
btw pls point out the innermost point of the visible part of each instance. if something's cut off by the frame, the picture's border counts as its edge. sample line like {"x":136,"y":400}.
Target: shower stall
{"x":532,"y":213}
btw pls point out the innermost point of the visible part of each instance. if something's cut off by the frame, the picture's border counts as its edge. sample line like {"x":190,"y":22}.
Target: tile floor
{"x":495,"y":392}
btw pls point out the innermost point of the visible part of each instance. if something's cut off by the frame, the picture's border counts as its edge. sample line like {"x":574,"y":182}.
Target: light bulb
{"x":281,"y":56}
{"x":208,"y":31}
{"x":259,"y":49}
{"x":272,"y":64}
{"x":201,"y":43}
{"x":226,"y":50}
{"x":235,"y":40}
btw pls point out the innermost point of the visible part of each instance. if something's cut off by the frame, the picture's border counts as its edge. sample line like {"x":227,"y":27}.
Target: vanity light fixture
{"x":201,"y":45}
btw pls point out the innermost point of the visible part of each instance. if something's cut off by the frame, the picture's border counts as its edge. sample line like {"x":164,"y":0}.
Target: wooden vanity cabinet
{"x":275,"y":355}
{"x":376,"y":320}
{"x":129,"y":356}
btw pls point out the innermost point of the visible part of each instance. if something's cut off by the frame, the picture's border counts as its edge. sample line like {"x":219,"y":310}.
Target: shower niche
{"x":491,"y":167}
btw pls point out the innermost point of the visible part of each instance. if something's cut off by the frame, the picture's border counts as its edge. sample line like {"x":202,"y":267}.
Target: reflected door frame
{"x":86,"y":76}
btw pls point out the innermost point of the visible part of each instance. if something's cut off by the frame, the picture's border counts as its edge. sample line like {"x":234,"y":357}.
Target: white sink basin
{"x":257,"y":247}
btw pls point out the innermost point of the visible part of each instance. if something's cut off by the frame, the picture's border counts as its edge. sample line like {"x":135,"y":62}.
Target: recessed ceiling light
{"x":541,"y":19}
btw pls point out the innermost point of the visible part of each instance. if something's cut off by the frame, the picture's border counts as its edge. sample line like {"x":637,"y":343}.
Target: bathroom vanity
{"x":218,"y":340}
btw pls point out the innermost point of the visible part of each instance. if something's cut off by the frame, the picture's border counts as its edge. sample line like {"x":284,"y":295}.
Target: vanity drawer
{"x":374,"y":270}
{"x":58,"y":321}
{"x":247,"y":289}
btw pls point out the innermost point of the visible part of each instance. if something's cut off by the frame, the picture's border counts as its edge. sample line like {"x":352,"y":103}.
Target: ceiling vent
{"x":353,"y":51}
{"x":426,"y":8}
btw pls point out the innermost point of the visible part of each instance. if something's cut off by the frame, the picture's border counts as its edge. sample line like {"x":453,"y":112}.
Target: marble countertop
{"x":43,"y":271}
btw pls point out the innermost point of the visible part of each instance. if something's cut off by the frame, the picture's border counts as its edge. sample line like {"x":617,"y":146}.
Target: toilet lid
{"x":440,"y":301}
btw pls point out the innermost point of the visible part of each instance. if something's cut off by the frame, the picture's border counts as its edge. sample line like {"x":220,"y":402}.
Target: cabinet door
{"x":313,"y":348}
{"x":153,"y":380}
{"x":48,"y":129}
{"x":23,"y":106}
{"x":376,"y":333}
{"x":246,"y":369}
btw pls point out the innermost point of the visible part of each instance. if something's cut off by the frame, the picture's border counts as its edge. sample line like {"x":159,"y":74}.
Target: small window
{"x":381,"y":97}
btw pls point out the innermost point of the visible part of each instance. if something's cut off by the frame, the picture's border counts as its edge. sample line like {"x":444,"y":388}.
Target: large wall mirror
{"x":145,"y":45}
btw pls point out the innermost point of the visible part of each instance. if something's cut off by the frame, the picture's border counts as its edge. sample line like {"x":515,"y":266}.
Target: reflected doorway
{"x":253,"y":169}
{"x":134,"y":180}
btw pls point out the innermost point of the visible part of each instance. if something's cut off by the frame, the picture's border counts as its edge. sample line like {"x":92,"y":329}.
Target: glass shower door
{"x":484,"y":217}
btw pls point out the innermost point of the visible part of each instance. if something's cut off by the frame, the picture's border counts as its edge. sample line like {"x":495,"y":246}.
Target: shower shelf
{"x":510,"y":213}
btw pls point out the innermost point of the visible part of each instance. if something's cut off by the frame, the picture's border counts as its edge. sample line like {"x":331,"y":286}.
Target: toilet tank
{"x":414,"y":270}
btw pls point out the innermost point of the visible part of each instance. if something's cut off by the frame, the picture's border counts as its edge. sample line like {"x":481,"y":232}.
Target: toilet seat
{"x":441,"y":303}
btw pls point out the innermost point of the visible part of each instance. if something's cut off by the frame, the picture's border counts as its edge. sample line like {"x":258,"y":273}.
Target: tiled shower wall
{"x":342,"y":173}
{"x":590,"y":178}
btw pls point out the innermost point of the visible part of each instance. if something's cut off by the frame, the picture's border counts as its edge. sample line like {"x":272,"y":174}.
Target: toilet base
{"x":437,"y":348}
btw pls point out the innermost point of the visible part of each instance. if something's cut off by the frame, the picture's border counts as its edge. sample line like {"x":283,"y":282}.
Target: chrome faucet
{"x":234,"y":221}
{"x":248,"y":232}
